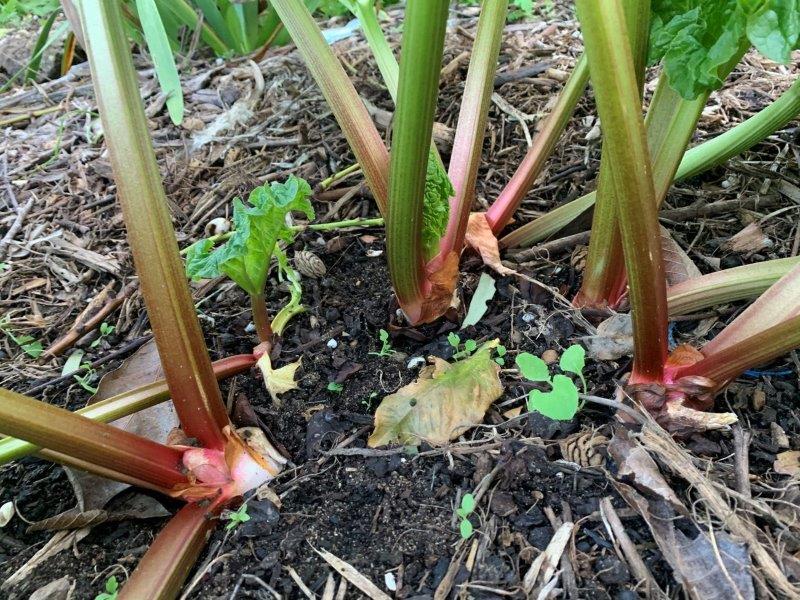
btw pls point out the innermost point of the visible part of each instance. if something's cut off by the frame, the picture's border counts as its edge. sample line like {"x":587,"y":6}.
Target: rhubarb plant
{"x":246,"y":255}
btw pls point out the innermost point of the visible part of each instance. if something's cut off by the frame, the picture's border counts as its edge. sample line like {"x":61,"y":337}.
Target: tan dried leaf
{"x":480,"y":237}
{"x":788,"y":463}
{"x":678,"y":267}
{"x":446,"y":400}
{"x":749,"y":239}
{"x":278,"y":381}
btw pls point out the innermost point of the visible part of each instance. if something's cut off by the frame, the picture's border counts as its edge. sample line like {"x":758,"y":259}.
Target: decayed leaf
{"x":749,"y":239}
{"x":445,"y":401}
{"x":440,"y":297}
{"x":678,"y":267}
{"x":480,"y":237}
{"x":614,"y":338}
{"x":60,"y":589}
{"x":788,"y":463}
{"x":278,"y":381}
{"x":137,"y":506}
{"x":61,"y":541}
{"x":480,"y":300}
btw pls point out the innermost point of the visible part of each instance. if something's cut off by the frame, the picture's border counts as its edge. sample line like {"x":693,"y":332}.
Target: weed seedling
{"x":561,"y":402}
{"x":464,"y":511}
{"x":386,"y":348}
{"x":29,"y":345}
{"x":501,"y":353}
{"x":461,"y":351}
{"x":112,"y":590}
{"x":105,"y":331}
{"x":334,"y":387}
{"x":237,"y":517}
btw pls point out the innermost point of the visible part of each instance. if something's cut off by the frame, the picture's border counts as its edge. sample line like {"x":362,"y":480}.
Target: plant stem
{"x":328,"y":182}
{"x":724,"y":364}
{"x":502,"y":210}
{"x":471,"y":129}
{"x":342,"y":98}
{"x":111,"y":449}
{"x":171,"y":556}
{"x":614,"y":80}
{"x":261,"y":320}
{"x":745,"y":135}
{"x":604,"y":282}
{"x":127,"y":403}
{"x":388,"y":66}
{"x":180,"y":342}
{"x":423,"y":45}
{"x":728,"y":285}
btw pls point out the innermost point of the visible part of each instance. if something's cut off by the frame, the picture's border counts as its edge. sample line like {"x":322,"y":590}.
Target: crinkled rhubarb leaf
{"x":697,"y":37}
{"x":436,"y":208}
{"x":245,"y":257}
{"x":446,"y":400}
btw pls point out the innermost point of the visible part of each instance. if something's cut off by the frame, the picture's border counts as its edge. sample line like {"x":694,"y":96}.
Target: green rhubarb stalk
{"x":729,"y":285}
{"x":723,"y":364}
{"x":471,"y":129}
{"x":421,"y":59}
{"x":503,"y":208}
{"x":364,"y":10}
{"x":172,"y":555}
{"x":113,"y":450}
{"x":176,"y":329}
{"x":601,"y":285}
{"x":613,"y":76}
{"x":342,"y":98}
{"x":126,"y":404}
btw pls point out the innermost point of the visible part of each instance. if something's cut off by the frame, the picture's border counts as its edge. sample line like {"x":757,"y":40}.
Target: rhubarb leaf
{"x":436,"y":207}
{"x":245,"y":257}
{"x":774,"y":29}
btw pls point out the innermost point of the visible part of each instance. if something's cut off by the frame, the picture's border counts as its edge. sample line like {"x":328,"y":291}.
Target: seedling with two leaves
{"x":461,"y":351}
{"x":31,"y":346}
{"x":112,"y":590}
{"x":464,"y":511}
{"x":236,"y":517}
{"x":561,"y":402}
{"x":386,"y":348}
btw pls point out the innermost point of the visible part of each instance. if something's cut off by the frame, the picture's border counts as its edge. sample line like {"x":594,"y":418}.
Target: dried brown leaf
{"x":480,"y":237}
{"x":614,"y":338}
{"x":749,"y":239}
{"x":443,"y":281}
{"x":788,"y":463}
{"x":678,"y":267}
{"x":446,"y":400}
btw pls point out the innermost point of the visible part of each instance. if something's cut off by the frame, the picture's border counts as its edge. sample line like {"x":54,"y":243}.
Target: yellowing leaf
{"x":444,"y":402}
{"x":277,"y":381}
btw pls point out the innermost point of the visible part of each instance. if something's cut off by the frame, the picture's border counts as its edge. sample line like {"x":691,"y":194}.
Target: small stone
{"x":332,"y":343}
{"x":611,"y":571}
{"x":759,"y":399}
{"x":309,"y":264}
{"x":540,"y":537}
{"x":415,"y":362}
{"x":217,"y":226}
{"x":779,"y":437}
{"x":550,"y":356}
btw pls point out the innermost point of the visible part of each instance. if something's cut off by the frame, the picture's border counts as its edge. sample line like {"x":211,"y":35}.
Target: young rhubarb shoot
{"x":245,"y":257}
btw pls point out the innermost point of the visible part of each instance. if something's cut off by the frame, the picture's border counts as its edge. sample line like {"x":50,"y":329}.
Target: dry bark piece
{"x":60,"y":589}
{"x":445,"y":401}
{"x":309,"y":264}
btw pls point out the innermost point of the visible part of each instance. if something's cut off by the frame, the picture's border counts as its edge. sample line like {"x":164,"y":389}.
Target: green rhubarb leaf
{"x":560,"y":404}
{"x":532,"y":367}
{"x":774,"y":28}
{"x":694,"y":38}
{"x":436,"y":208}
{"x":245,"y":257}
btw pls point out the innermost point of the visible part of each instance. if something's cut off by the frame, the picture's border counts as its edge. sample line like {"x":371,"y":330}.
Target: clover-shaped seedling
{"x":112,"y":590}
{"x":237,"y":517}
{"x":464,"y":511}
{"x":386,"y":348}
{"x":334,"y":387}
{"x":469,"y":346}
{"x":561,"y":402}
{"x":501,"y":353}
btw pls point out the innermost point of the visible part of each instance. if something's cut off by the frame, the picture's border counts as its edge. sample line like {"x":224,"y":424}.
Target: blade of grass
{"x":94,"y":443}
{"x":186,"y":14}
{"x":420,"y":64}
{"x":613,"y":76}
{"x":38,"y":48}
{"x":163,"y":60}
{"x":342,"y":98}
{"x":215,"y":20}
{"x":471,"y":128}
{"x":180,"y":342}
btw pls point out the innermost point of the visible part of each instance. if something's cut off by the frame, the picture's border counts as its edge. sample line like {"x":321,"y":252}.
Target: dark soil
{"x":389,"y":514}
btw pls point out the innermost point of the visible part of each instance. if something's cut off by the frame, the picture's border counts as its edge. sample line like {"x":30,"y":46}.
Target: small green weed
{"x":561,"y":402}
{"x":464,"y":511}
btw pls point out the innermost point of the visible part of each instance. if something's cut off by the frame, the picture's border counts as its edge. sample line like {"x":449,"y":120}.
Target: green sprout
{"x":500,"y":358}
{"x":386,"y":348}
{"x":237,"y":517}
{"x":464,"y":511}
{"x":112,"y":590}
{"x":468,"y":348}
{"x":31,"y":346}
{"x":105,"y":331}
{"x":335,"y":387}
{"x":561,"y":402}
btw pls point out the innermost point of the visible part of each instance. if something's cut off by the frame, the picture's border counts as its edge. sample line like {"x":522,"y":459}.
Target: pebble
{"x":611,"y":571}
{"x":332,"y":343}
{"x":416,"y":362}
